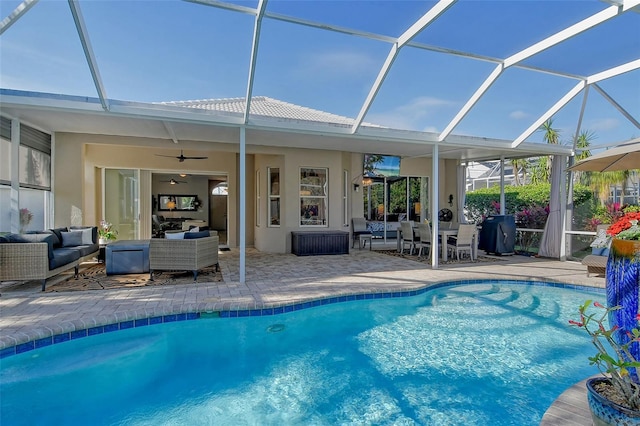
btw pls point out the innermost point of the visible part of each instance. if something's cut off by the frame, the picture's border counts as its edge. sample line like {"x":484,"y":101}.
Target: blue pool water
{"x":482,"y":354}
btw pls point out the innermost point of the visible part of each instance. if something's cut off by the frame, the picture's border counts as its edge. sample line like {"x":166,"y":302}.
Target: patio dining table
{"x":444,"y":235}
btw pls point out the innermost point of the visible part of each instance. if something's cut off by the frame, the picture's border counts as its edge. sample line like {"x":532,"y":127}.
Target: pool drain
{"x":275,"y":328}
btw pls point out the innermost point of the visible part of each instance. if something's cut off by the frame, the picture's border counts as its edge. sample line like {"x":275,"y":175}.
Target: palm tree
{"x":583,"y":142}
{"x":551,"y":136}
{"x":601,"y":182}
{"x":519,"y":165}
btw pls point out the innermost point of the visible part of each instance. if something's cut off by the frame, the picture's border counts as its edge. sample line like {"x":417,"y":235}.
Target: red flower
{"x":599,"y":305}
{"x":623,"y":223}
{"x":579,"y":324}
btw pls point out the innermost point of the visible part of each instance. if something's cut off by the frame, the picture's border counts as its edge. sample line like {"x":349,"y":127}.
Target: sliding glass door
{"x":121,"y":202}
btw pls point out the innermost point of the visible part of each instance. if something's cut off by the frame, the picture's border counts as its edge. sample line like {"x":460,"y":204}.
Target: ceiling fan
{"x":172,"y":181}
{"x":182,"y":157}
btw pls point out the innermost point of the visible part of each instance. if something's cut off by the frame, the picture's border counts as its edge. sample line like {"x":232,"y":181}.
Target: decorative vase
{"x":605,"y":412}
{"x":623,"y":289}
{"x":103,"y":241}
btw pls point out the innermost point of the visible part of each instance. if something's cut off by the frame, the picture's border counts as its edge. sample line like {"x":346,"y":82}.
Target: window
{"x":274,"y":196}
{"x":35,"y":158}
{"x":5,"y":151}
{"x":313,"y":197}
{"x":258,"y":199}
{"x":345,"y":192}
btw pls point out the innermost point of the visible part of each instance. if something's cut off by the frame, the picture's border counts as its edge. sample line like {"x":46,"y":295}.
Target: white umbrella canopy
{"x":622,"y":157}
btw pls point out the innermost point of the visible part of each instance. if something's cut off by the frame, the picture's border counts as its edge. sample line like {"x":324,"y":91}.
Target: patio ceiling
{"x":477,"y":97}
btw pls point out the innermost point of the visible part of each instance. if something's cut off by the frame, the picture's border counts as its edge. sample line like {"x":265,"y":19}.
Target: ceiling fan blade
{"x":195,"y":158}
{"x":169,"y":156}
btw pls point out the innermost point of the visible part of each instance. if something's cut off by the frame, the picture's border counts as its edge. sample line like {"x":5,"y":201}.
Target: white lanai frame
{"x":404,"y":39}
{"x":559,"y":37}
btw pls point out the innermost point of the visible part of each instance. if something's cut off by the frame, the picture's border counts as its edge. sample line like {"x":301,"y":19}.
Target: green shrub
{"x":486,"y":201}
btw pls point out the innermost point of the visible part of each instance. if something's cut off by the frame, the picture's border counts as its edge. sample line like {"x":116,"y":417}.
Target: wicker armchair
{"x":183,"y":255}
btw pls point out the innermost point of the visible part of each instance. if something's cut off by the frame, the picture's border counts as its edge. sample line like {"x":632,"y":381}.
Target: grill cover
{"x":498,"y":234}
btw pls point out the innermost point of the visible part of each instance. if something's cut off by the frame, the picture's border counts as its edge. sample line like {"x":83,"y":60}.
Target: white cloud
{"x":518,"y":115}
{"x":602,"y":124}
{"x":328,"y":64}
{"x":412,"y":115}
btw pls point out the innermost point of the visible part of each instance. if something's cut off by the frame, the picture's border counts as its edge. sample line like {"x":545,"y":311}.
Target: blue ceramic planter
{"x":605,"y":412}
{"x":623,"y":289}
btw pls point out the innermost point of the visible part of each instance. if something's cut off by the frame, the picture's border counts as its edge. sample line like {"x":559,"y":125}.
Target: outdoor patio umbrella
{"x":622,"y":157}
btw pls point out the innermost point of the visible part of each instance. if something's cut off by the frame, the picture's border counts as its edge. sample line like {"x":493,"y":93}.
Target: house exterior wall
{"x":78,"y":184}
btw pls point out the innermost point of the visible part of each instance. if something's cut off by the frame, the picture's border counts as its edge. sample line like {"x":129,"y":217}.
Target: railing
{"x":577,"y":241}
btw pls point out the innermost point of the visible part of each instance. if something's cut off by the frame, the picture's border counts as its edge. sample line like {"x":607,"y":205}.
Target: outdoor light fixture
{"x":451,"y":200}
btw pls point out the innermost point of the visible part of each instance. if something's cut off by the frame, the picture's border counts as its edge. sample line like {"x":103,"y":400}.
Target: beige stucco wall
{"x":278,"y":239}
{"x":80,"y":157}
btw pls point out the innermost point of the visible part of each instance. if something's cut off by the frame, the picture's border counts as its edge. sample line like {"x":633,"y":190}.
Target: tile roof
{"x":270,"y":108}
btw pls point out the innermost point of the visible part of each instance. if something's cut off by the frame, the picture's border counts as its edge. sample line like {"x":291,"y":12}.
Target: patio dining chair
{"x":463,"y":241}
{"x":409,"y":237}
{"x":424,"y":231}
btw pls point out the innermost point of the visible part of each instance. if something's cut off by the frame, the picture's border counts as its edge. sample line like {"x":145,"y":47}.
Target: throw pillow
{"x":58,"y":233}
{"x":87,"y":238}
{"x":174,"y":235}
{"x":71,"y":239}
{"x":92,"y":232}
{"x":195,"y":235}
{"x":194,"y":229}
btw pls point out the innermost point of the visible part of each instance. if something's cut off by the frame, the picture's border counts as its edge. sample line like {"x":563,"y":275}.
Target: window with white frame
{"x":274,"y":195}
{"x":313,"y":196}
{"x":345,"y":196}
{"x":258,"y":199}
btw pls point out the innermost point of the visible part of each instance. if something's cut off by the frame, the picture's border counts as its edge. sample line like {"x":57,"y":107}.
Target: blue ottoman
{"x":127,"y":257}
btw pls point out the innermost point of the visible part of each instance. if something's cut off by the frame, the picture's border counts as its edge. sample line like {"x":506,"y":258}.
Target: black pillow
{"x":58,"y":233}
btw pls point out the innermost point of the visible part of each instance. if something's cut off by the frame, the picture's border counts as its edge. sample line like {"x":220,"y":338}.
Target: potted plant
{"x":613,"y":398}
{"x":25,"y":219}
{"x":106,"y":232}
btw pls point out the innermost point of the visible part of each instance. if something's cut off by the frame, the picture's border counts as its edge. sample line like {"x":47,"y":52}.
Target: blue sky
{"x":166,"y":50}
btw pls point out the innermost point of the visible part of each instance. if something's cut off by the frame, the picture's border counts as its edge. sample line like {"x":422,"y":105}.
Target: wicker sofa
{"x":43,"y":254}
{"x":183,"y":254}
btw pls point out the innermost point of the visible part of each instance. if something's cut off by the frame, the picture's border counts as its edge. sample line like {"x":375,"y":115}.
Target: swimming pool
{"x":491,"y":353}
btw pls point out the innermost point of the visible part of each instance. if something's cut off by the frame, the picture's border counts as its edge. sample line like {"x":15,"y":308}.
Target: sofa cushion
{"x":85,"y":249}
{"x":63,"y":256}
{"x":58,"y":233}
{"x":57,"y":243}
{"x":71,"y":239}
{"x":194,"y":235}
{"x":94,"y":233}
{"x":12,"y":238}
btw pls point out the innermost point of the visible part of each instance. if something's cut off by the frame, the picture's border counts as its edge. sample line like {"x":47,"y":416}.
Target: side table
{"x":127,"y":257}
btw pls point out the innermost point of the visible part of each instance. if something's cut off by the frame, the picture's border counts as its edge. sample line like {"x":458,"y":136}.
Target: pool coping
{"x":79,"y":329}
